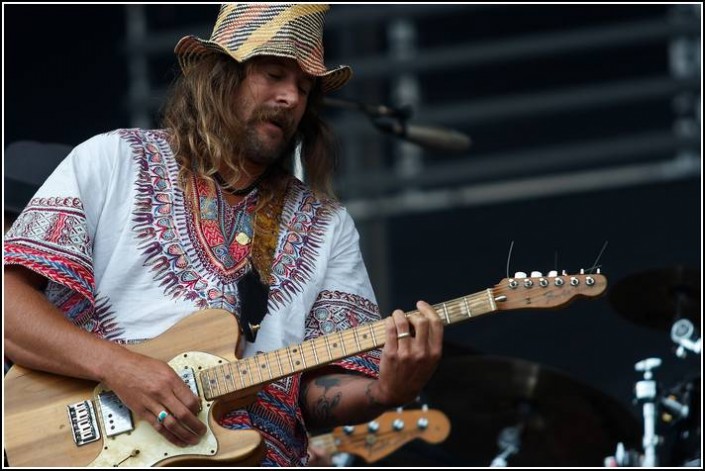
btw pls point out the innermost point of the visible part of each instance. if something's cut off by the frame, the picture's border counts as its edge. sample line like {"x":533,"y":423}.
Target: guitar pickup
{"x":84,"y":426}
{"x":117,"y":418}
{"x":189,"y":377}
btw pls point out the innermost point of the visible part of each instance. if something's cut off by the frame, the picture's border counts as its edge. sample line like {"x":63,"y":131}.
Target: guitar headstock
{"x":390,"y":431}
{"x":543,"y":292}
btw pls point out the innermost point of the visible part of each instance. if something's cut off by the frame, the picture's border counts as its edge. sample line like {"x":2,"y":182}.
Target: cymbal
{"x":658,"y":298}
{"x":561,"y":422}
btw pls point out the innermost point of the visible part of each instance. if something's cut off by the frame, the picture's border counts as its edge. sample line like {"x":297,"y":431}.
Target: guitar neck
{"x":266,"y":367}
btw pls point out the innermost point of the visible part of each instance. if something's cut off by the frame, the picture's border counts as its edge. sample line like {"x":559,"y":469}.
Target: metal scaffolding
{"x":559,"y":99}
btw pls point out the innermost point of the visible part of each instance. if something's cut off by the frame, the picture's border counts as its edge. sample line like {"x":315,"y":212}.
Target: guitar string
{"x":454,"y":309}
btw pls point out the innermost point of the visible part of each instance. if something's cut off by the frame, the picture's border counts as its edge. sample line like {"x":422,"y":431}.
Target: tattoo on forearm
{"x":323,"y":408}
{"x":327,"y":382}
{"x":370,"y":397}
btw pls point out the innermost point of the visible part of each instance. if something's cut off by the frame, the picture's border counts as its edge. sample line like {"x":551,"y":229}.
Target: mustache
{"x":279,"y":116}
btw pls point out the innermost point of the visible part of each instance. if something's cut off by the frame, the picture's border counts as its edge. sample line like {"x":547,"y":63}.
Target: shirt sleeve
{"x":53,"y":236}
{"x":346,"y":299}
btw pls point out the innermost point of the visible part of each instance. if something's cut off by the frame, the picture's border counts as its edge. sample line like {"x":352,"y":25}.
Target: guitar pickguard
{"x":143,"y":446}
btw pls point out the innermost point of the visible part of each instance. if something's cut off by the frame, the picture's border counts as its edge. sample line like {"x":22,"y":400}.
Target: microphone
{"x":426,"y":136}
{"x":394,"y":121}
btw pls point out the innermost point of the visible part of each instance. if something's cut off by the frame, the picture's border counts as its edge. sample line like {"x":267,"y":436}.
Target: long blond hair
{"x":205,"y":131}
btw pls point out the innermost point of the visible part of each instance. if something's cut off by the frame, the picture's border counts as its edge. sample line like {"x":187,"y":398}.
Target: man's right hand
{"x":148,"y":387}
{"x":38,"y":336}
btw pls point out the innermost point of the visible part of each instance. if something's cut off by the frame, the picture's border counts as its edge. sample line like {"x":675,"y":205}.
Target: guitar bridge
{"x":84,"y":426}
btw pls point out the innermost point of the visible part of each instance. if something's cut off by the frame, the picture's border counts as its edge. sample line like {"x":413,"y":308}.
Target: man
{"x":137,"y":229}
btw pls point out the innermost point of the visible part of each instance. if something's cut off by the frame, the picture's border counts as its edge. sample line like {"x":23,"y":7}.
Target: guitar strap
{"x":253,"y":287}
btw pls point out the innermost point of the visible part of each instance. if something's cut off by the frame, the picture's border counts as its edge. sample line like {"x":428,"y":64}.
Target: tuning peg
{"x":520,"y":274}
{"x":536,"y":274}
{"x":373,"y":426}
{"x":552,"y":274}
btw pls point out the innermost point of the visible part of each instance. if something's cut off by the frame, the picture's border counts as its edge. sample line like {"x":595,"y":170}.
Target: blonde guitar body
{"x":38,"y":429}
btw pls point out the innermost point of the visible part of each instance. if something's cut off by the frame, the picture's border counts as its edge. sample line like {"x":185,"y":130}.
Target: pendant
{"x":242,"y":238}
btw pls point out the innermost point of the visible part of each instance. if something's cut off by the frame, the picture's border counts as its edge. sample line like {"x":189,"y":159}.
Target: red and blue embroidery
{"x":189,"y":239}
{"x":305,"y":223}
{"x":335,"y":311}
{"x":51,"y":237}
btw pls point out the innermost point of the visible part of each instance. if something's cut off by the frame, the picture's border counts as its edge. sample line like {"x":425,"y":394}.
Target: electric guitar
{"x":386,"y":434}
{"x":53,"y":420}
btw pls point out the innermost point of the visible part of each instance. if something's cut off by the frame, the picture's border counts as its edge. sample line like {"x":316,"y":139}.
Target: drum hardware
{"x":646,"y":394}
{"x":509,"y":442}
{"x":684,"y":335}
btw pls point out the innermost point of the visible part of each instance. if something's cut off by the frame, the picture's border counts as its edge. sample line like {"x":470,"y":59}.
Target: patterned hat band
{"x":243,"y":31}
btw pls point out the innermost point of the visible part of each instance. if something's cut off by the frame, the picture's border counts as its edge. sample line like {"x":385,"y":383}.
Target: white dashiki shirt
{"x":128,"y":254}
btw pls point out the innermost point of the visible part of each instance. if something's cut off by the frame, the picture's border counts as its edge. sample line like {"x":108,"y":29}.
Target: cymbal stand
{"x":509,"y":442}
{"x":684,"y":335}
{"x":646,"y":394}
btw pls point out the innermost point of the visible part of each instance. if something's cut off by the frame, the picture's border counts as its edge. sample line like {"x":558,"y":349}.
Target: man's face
{"x":270,"y":103}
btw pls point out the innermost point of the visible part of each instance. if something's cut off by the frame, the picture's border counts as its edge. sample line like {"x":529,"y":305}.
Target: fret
{"x":213,"y":379}
{"x":372,"y":332}
{"x":336,"y":347}
{"x":445,"y":313}
{"x":493,"y":306}
{"x":243,"y":371}
{"x":330,"y":354}
{"x":291,"y":361}
{"x":315,"y":354}
{"x":279,"y":362}
{"x":255,"y":364}
{"x":266,"y":366}
{"x":231,"y":377}
{"x":467,"y":308}
{"x":342,"y":343}
{"x":225,"y":378}
{"x":357,"y":340}
{"x":297,"y":362}
{"x":303,"y":357}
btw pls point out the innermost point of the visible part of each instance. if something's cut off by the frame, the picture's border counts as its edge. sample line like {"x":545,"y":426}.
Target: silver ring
{"x":162,"y":416}
{"x":403,"y":335}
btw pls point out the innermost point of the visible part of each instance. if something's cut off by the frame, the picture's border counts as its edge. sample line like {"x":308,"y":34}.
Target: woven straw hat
{"x":243,"y":31}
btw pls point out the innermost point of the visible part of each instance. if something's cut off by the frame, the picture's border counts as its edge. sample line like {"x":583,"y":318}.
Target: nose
{"x":288,"y":94}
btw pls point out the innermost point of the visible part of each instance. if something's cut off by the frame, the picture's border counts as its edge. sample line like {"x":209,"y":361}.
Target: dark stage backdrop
{"x":66,"y":78}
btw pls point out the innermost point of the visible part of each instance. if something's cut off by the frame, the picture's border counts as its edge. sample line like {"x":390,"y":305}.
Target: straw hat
{"x":243,"y":31}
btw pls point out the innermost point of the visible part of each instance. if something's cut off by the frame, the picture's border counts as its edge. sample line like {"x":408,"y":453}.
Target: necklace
{"x":241,"y":191}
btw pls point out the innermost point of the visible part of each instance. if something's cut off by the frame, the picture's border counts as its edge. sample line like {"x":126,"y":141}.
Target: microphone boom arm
{"x":394,"y":121}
